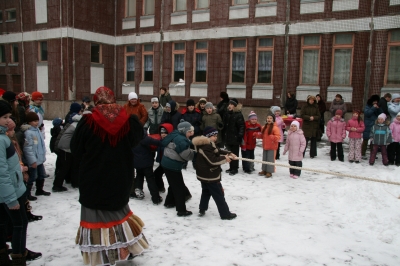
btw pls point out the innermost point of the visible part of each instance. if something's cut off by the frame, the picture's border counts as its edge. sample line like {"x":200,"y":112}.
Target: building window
{"x":42,"y":51}
{"x":343,"y":45}
{"x":238,"y":61}
{"x":393,"y":58}
{"x":202,"y":4}
{"x":130,"y":8}
{"x":2,"y":54}
{"x":178,"y":53}
{"x":200,"y":67}
{"x":148,"y":62}
{"x":240,"y":2}
{"x":14,"y":53}
{"x":148,"y":8}
{"x":310,"y":50}
{"x":11,"y":15}
{"x":265,"y":1}
{"x":265,"y":49}
{"x":95,"y":53}
{"x":130,"y":63}
{"x":180,"y":5}
{"x":1,"y":16}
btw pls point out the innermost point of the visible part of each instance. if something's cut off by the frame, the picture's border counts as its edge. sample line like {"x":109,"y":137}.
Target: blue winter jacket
{"x":176,"y":152}
{"x":35,"y":148}
{"x":143,"y":157}
{"x":370,"y":115}
{"x":11,"y":181}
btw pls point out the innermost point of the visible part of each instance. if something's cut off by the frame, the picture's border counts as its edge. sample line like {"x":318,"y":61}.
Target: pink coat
{"x":336,"y":130}
{"x":359,"y":126}
{"x":395,"y":128}
{"x":281,"y":125}
{"x":295,"y":144}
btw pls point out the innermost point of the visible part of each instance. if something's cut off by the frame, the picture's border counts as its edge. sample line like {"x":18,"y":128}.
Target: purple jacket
{"x":395,"y":128}
{"x":336,"y":130}
{"x":281,"y":125}
{"x":295,"y":144}
{"x":359,"y":126}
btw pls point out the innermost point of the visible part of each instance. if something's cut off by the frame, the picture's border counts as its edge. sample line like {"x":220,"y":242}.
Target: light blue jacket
{"x":11,"y":181}
{"x":394,"y":109}
{"x":35,"y":148}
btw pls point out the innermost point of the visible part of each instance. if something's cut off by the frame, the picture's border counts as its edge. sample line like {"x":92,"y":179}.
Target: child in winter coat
{"x":295,"y":144}
{"x":394,"y":147}
{"x":208,"y":172}
{"x":193,"y":116}
{"x":276,"y":110}
{"x":336,"y":132}
{"x":212,"y":119}
{"x":35,"y":154}
{"x":356,"y":127}
{"x":164,"y":130}
{"x":270,"y":136}
{"x":155,"y":113}
{"x":252,"y":127}
{"x":380,"y":137}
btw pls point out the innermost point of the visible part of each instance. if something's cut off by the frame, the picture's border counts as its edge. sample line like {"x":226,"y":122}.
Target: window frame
{"x":185,"y":10}
{"x":309,"y":47}
{"x":127,"y":9}
{"x":233,"y":3}
{"x":203,"y":8}
{"x":40,"y":51}
{"x":12,"y":45}
{"x":199,"y":51}
{"x":233,"y":50}
{"x":389,"y":45}
{"x":126,"y":54}
{"x":174,"y":52}
{"x":1,"y":16}
{"x":144,"y":53}
{"x":264,"y":49}
{"x":144,"y":9}
{"x":100,"y":53}
{"x":8,"y":11}
{"x":3,"y":60}
{"x":342,"y":46}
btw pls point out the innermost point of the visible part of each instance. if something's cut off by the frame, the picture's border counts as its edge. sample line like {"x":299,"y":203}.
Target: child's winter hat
{"x":275,"y":108}
{"x":11,"y":125}
{"x":190,"y":102}
{"x":163,"y":130}
{"x":339,"y":112}
{"x":209,"y":105}
{"x":383,"y":115}
{"x":86,"y":99}
{"x":357,"y":112}
{"x":184,"y":127}
{"x":9,"y":96}
{"x":394,"y":96}
{"x":75,"y":108}
{"x":234,"y":101}
{"x":223,"y":95}
{"x":272,"y":115}
{"x":57,"y":121}
{"x":210,"y":131}
{"x":202,"y":100}
{"x":132,"y":95}
{"x":154,"y":100}
{"x":252,"y":115}
{"x":31,"y":116}
{"x":37,"y":96}
{"x":296,"y":123}
{"x":398,"y":114}
{"x":5,"y":108}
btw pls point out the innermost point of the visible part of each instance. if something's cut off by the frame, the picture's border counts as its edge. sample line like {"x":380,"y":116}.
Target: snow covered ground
{"x":318,"y":219}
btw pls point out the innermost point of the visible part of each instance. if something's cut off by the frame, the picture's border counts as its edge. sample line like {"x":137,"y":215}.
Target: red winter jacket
{"x":249,"y":141}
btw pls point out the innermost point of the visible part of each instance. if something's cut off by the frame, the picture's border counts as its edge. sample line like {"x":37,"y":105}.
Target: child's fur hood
{"x":25,"y":127}
{"x":238,"y":108}
{"x":201,"y":140}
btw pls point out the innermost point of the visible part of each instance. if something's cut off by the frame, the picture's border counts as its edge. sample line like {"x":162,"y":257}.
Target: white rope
{"x":320,"y":171}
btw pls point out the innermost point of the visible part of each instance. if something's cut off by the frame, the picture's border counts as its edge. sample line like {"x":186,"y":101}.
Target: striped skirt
{"x":105,"y":237}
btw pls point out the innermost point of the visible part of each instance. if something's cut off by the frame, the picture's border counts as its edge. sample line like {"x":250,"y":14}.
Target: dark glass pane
{"x":148,"y":68}
{"x":201,"y":67}
{"x":201,"y":76}
{"x":95,"y":53}
{"x":43,"y":51}
{"x":180,"y":46}
{"x":201,"y":45}
{"x":1,"y":16}
{"x":148,"y":47}
{"x":130,"y":49}
{"x":311,"y":40}
{"x":12,"y":15}
{"x":395,"y":36}
{"x":15,"y":52}
{"x":238,"y":76}
{"x":239,"y":43}
{"x":393,"y":76}
{"x":344,"y":38}
{"x":265,"y":42}
{"x":178,"y":75}
{"x":130,"y":68}
{"x":2,"y":54}
{"x":148,"y":75}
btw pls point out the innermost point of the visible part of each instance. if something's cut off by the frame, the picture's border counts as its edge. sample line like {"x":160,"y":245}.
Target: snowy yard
{"x":317,"y":219}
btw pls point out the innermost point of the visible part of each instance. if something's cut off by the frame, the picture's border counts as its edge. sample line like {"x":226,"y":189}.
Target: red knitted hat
{"x":37,"y":96}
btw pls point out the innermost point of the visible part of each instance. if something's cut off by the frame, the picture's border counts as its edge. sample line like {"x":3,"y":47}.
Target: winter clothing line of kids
{"x":394,"y":147}
{"x":102,"y":143}
{"x":176,"y":153}
{"x":208,"y":172}
{"x":249,"y":141}
{"x":295,"y":145}
{"x":35,"y":155}
{"x":356,"y":127}
{"x":380,"y":136}
{"x":336,"y":132}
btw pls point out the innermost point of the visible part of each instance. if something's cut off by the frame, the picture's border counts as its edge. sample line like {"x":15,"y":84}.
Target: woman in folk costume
{"x":103,"y":143}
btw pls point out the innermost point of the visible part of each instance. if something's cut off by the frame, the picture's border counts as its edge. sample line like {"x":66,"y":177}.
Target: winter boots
{"x":18,"y":260}
{"x":39,"y":188}
{"x":29,"y":195}
{"x":4,"y":258}
{"x":31,"y":217}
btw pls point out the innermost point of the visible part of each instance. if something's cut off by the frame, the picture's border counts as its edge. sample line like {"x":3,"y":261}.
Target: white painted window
{"x":265,"y":50}
{"x":202,"y":4}
{"x":178,"y":53}
{"x":130,"y":8}
{"x":148,"y":8}
{"x":238,"y":61}
{"x":148,"y":54}
{"x":130,"y":63}
{"x":180,"y":5}
{"x":393,"y":61}
{"x":310,"y":51}
{"x":41,"y":11}
{"x":343,"y":45}
{"x":200,"y":67}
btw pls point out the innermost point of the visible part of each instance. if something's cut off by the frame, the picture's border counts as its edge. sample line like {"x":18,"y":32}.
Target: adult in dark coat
{"x":371,"y":112}
{"x":233,"y":132}
{"x":103,"y":142}
{"x":171,"y":114}
{"x":193,"y":116}
{"x":310,"y":115}
{"x":383,"y":103}
{"x":338,"y":104}
{"x":165,"y":97}
{"x":291,"y":103}
{"x":322,"y":110}
{"x":222,"y":106}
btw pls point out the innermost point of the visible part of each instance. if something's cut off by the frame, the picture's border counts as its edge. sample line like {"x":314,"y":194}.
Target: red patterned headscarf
{"x":24,"y":97}
{"x":108,"y":118}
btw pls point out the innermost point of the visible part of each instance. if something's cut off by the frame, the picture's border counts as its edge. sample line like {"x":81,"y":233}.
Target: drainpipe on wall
{"x":61,"y":57}
{"x":115,"y":47}
{"x":368,"y":66}
{"x":285,"y":60}
{"x":160,"y":84}
{"x":73,"y":53}
{"x":22,"y":47}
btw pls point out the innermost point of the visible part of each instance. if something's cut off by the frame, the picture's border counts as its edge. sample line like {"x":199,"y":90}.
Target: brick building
{"x":256,"y":50}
